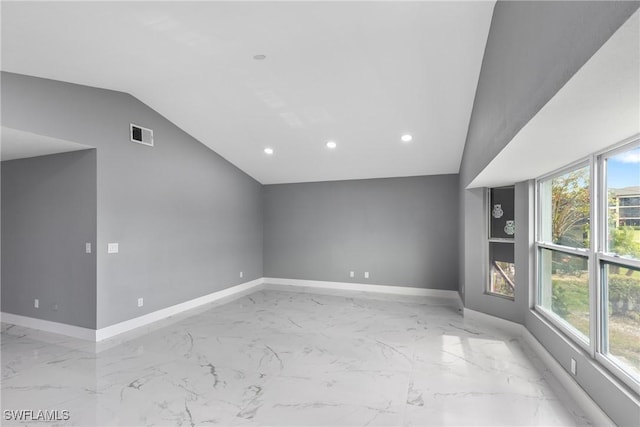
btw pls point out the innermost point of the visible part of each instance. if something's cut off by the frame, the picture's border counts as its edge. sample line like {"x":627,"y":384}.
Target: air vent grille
{"x":141,"y":135}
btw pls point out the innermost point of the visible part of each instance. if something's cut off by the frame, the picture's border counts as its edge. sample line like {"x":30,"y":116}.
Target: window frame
{"x":596,"y":255}
{"x":603,"y":257}
{"x":600,"y":355}
{"x":488,"y":290}
{"x":548,"y":315}
{"x":487,"y":210}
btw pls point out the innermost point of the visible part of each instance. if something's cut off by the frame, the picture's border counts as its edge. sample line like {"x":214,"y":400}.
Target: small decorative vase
{"x":510,"y":228}
{"x":497,"y":211}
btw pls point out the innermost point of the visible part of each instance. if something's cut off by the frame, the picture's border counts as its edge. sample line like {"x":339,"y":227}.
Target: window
{"x":588,"y":256}
{"x":502,"y":268}
{"x":564,"y":202}
{"x":618,"y":257}
{"x":621,"y":334}
{"x":564,"y":289}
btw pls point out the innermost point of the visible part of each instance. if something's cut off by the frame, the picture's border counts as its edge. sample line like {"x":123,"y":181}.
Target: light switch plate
{"x":113,"y":248}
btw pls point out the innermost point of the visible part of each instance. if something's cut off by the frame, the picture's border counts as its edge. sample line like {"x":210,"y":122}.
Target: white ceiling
{"x":359,"y":73}
{"x":17,"y":144}
{"x":597,"y":108}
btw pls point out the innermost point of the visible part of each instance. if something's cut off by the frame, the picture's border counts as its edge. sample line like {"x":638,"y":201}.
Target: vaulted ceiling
{"x":361,"y":74}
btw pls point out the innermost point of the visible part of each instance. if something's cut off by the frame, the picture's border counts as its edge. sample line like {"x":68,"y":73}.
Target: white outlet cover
{"x":140,"y":302}
{"x":36,"y":303}
{"x":87,"y":247}
{"x":352,"y":274}
{"x":241,"y":274}
{"x":113,"y":248}
{"x":366,"y":274}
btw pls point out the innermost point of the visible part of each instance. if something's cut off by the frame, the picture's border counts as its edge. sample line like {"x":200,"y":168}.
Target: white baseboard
{"x":363,"y":287}
{"x":49,"y":326}
{"x":128,"y":325}
{"x":244,"y":288}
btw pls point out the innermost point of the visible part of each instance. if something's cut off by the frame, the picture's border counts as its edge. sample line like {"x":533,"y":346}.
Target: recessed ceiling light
{"x":406,"y":138}
{"x":259,"y":57}
{"x":268,"y":150}
{"x":331,"y":144}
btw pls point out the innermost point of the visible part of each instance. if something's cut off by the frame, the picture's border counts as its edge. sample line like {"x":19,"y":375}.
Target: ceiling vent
{"x":141,"y":135}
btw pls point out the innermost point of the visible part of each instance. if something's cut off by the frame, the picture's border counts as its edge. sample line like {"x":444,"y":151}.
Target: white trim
{"x":501,"y":240}
{"x":244,"y":288}
{"x":127,"y":325}
{"x":570,"y":331}
{"x":581,"y":252}
{"x":364,"y":287}
{"x":593,"y":411}
{"x":49,"y":326}
{"x":618,"y":260}
{"x":620,"y":146}
{"x":571,"y":167}
{"x":594,"y":277}
{"x":607,"y":360}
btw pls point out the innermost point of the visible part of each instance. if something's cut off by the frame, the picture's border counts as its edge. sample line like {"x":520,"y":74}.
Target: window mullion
{"x":595,"y":325}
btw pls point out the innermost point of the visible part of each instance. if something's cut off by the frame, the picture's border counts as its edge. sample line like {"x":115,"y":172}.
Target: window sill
{"x":493,"y":294}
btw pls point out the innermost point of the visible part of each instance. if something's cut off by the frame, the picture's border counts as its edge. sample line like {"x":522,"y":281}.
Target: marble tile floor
{"x":283,"y":358}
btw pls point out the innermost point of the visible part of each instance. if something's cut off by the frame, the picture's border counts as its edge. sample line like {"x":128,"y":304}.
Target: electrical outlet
{"x":241,"y":274}
{"x":574,"y":366}
{"x":54,"y":307}
{"x":113,"y":248}
{"x":36,"y":303}
{"x":87,"y":247}
{"x":352,"y":274}
{"x":140,"y":302}
{"x":366,"y":274}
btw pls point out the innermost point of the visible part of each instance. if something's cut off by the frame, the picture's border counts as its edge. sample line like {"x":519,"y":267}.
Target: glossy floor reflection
{"x":290,"y":358}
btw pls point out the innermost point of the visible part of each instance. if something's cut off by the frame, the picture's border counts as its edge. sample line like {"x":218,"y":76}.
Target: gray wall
{"x":607,"y":392}
{"x":403,"y":231}
{"x":533,"y":49}
{"x":187,"y":221}
{"x":48,"y":214}
{"x":475,"y":251}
